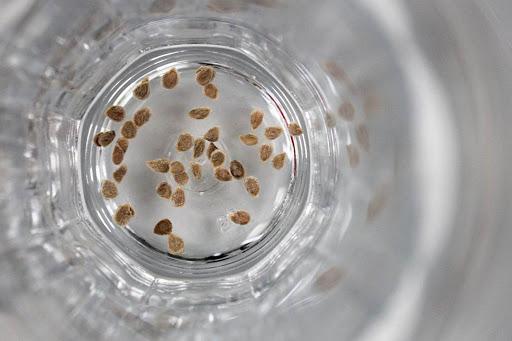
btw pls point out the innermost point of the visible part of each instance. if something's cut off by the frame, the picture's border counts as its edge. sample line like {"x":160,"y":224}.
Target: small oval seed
{"x":212,"y":134}
{"x":164,"y":190}
{"x":211,"y":148}
{"x":196,"y":170}
{"x":103,"y":139}
{"x":222,"y":174}
{"x":278,"y":161}
{"x":163,"y":227}
{"x":265,"y":152}
{"x":141,"y":91}
{"x":256,"y":119}
{"x":170,"y":79}
{"x":240,"y":217}
{"x":175,"y":244}
{"x":115,"y":113}
{"x":204,"y":75}
{"x":294,"y":129}
{"x":123,"y":143}
{"x":237,"y":169}
{"x":252,"y":186}
{"x":273,"y":133}
{"x":199,"y":147}
{"x":211,"y":91}
{"x":158,"y":165}
{"x":129,"y":130}
{"x":123,"y":214}
{"x":181,"y":178}
{"x":119,"y":173}
{"x":108,"y":189}
{"x":142,"y":116}
{"x":199,"y":113}
{"x":353,"y":156}
{"x":346,"y":111}
{"x":217,"y":158}
{"x":178,"y":197}
{"x":177,"y":167}
{"x":363,"y":137}
{"x":185,"y":142}
{"x":117,"y":155}
{"x":249,"y":139}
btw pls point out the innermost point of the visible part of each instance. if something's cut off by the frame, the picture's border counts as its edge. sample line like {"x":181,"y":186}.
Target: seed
{"x":237,"y":169}
{"x":211,"y":148}
{"x":178,"y":197}
{"x":330,"y":120}
{"x":185,"y":142}
{"x":176,"y":245}
{"x":294,"y":129}
{"x":217,"y":158}
{"x":164,"y":190}
{"x":353,"y":156}
{"x":222,"y":174}
{"x":181,"y":178}
{"x":204,"y":75}
{"x":115,"y":113}
{"x":278,"y":161}
{"x":196,"y":170}
{"x":119,"y":173}
{"x":329,"y":279}
{"x":109,"y":189}
{"x":158,"y":165}
{"x":117,"y":155}
{"x":346,"y":111}
{"x":199,"y":147}
{"x":199,"y":113}
{"x":103,"y":139}
{"x":162,"y":6}
{"x":240,"y":217}
{"x":141,"y":91}
{"x":249,"y":139}
{"x":177,"y":167}
{"x":129,"y":130}
{"x":212,"y":134}
{"x":163,"y":227}
{"x":142,"y":116}
{"x":170,"y":79}
{"x":123,"y":143}
{"x":211,"y":91}
{"x":256,"y":119}
{"x":265,"y":152}
{"x":252,"y":186}
{"x":363,"y":137}
{"x":273,"y":133}
{"x":123,"y":214}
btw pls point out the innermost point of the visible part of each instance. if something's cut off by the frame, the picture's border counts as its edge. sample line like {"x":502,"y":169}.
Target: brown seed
{"x":123,"y":214}
{"x":237,"y":169}
{"x":119,"y":173}
{"x":109,"y":189}
{"x":330,"y":120}
{"x":265,"y":152}
{"x":162,"y":6}
{"x":240,"y":217}
{"x":115,"y":113}
{"x":176,"y":244}
{"x":142,"y":116}
{"x":252,"y":186}
{"x":178,"y":197}
{"x":346,"y":111}
{"x":222,"y":174}
{"x":103,"y":139}
{"x":249,"y":139}
{"x":158,"y":165}
{"x":273,"y":133}
{"x":141,"y":91}
{"x":181,"y":178}
{"x":204,"y":75}
{"x":211,"y":148}
{"x":164,"y":190}
{"x":199,"y":113}
{"x":211,"y":91}
{"x":256,"y":119}
{"x":163,"y":227}
{"x":117,"y":155}
{"x":170,"y":79}
{"x":329,"y":279}
{"x":294,"y":129}
{"x":196,"y":170}
{"x":123,"y":143}
{"x":129,"y":130}
{"x":217,"y":158}
{"x":363,"y":137}
{"x":185,"y":142}
{"x":177,"y":167}
{"x":353,"y":156}
{"x":278,"y":161}
{"x":199,"y":147}
{"x":212,"y":134}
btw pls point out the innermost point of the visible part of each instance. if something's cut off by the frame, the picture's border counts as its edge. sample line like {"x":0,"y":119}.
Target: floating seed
{"x":109,"y":189}
{"x":278,"y":161}
{"x":196,"y":170}
{"x":129,"y":130}
{"x":199,"y":113}
{"x":211,"y":91}
{"x":177,"y":167}
{"x":204,"y":75}
{"x":211,"y":148}
{"x":294,"y":129}
{"x":329,"y":279}
{"x":175,"y":244}
{"x":119,"y":173}
{"x":164,"y":190}
{"x":115,"y":113}
{"x":217,"y":158}
{"x":363,"y":137}
{"x":252,"y":186}
{"x":256,"y":119}
{"x":240,"y":217}
{"x":346,"y":111}
{"x":162,"y":6}
{"x":117,"y":155}
{"x":237,"y":169}
{"x":178,"y":197}
{"x":222,"y":174}
{"x":249,"y":139}
{"x":199,"y":147}
{"x":123,"y":143}
{"x":103,"y":139}
{"x":353,"y":156}
{"x":212,"y":134}
{"x":181,"y":178}
{"x":141,"y":116}
{"x":158,"y":165}
{"x":163,"y":227}
{"x":141,"y":91}
{"x":265,"y":152}
{"x":185,"y":142}
{"x":273,"y":133}
{"x":170,"y":79}
{"x":123,"y":214}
